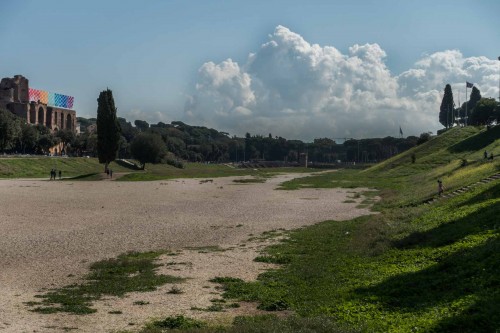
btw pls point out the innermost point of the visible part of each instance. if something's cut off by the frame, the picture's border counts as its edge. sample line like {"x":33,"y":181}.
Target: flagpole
{"x":466,"y":113}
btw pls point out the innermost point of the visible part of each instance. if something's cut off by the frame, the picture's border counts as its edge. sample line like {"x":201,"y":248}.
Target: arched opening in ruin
{"x":41,"y":116}
{"x":32,"y":115}
{"x":69,"y":122}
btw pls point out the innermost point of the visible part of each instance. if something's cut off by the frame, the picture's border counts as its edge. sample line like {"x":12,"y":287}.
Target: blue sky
{"x":150,"y":53}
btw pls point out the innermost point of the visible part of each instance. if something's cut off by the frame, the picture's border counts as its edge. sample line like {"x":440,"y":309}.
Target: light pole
{"x":498,"y":79}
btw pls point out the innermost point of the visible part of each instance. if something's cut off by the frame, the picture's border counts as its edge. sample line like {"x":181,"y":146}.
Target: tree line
{"x":109,"y":136}
{"x":476,"y":111}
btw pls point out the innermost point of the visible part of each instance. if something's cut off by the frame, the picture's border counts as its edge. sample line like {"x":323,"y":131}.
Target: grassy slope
{"x":410,"y":268}
{"x":88,"y":168}
{"x":39,"y":167}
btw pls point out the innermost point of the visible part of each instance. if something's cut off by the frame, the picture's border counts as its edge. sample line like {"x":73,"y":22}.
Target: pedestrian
{"x":60,"y":174}
{"x":440,"y":187}
{"x":51,"y":173}
{"x":110,"y":173}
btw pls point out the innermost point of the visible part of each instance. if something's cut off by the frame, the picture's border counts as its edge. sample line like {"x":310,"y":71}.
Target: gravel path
{"x":52,"y":231}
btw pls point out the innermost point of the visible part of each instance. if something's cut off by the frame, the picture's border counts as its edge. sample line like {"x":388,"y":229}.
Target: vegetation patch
{"x":112,"y":277}
{"x":250,"y":180}
{"x":410,"y":268}
{"x":206,"y":249}
{"x":170,"y":323}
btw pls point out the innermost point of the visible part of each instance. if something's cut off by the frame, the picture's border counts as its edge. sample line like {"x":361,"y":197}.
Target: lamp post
{"x":499,"y":79}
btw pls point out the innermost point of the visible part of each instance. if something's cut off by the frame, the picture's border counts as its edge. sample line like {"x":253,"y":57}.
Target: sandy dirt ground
{"x":51,"y":231}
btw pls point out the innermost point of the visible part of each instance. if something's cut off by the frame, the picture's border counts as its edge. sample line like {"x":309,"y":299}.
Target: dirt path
{"x":52,"y":231}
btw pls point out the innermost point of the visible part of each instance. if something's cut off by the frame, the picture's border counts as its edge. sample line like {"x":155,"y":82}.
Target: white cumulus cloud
{"x":295,"y":89}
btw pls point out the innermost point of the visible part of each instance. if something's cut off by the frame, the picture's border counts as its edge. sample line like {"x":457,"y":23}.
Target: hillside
{"x":413,"y":267}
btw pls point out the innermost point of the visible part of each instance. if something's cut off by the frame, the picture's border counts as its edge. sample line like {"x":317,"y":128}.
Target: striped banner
{"x":51,"y":99}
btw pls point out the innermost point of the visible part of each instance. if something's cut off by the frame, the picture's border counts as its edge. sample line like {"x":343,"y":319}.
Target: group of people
{"x":486,"y":155}
{"x":53,"y":174}
{"x":109,"y":172}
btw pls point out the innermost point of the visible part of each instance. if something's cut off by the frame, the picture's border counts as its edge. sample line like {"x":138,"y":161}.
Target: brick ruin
{"x":14,"y":96}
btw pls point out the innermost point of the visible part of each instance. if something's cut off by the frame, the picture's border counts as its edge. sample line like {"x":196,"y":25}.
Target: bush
{"x":175,"y":163}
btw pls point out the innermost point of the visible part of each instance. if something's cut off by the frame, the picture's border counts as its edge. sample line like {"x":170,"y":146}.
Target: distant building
{"x":54,"y":111}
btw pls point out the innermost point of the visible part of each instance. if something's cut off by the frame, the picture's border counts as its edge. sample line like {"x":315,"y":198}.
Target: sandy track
{"x":52,"y":230}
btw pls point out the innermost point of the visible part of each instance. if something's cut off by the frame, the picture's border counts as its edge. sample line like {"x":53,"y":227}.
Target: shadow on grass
{"x":476,"y":142}
{"x":483,"y":219}
{"x":87,"y":176}
{"x":491,"y":193}
{"x":468,"y":279}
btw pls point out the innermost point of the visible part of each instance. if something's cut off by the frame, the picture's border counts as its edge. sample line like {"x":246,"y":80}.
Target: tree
{"x":483,"y":112}
{"x":475,"y":96}
{"x":141,"y":125}
{"x":447,"y":107}
{"x":148,"y":148}
{"x":67,"y":138}
{"x":424,"y":137}
{"x":108,"y":128}
{"x":29,"y":138}
{"x":10,"y":129}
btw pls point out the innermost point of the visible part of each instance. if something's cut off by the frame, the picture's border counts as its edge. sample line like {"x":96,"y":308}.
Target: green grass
{"x":250,"y":180}
{"x":113,"y":277}
{"x":199,"y":170}
{"x":410,"y":268}
{"x":80,"y":168}
{"x":39,"y":167}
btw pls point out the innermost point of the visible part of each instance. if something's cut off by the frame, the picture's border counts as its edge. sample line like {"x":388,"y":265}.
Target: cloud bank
{"x":297,"y":90}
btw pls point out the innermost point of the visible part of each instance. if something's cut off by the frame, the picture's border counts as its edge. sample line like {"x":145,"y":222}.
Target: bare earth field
{"x":51,"y":231}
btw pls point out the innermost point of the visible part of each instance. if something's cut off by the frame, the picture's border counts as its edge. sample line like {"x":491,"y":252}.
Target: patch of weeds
{"x":128,"y":272}
{"x":206,"y":249}
{"x":141,"y":303}
{"x":178,"y":322}
{"x":348,"y":201}
{"x":274,"y":305}
{"x":225,"y":279}
{"x":250,"y":180}
{"x":211,"y":308}
{"x":277,"y":258}
{"x":115,"y":312}
{"x":268,"y":235}
{"x":173,"y":263}
{"x":175,"y":290}
{"x":244,"y":320}
{"x":363,"y":206}
{"x":233,"y":305}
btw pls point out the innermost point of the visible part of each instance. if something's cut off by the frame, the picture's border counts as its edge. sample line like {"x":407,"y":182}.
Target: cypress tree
{"x":475,"y":96}
{"x":447,"y":107}
{"x":108,"y":128}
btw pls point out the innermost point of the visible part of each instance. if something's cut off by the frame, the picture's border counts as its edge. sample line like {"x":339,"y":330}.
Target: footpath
{"x":463,"y":189}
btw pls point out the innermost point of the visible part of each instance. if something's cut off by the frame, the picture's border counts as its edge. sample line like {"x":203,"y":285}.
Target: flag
{"x":469,"y":85}
{"x":400,"y":131}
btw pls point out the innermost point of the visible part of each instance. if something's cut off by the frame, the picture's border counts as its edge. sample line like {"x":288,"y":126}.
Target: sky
{"x":296,"y":69}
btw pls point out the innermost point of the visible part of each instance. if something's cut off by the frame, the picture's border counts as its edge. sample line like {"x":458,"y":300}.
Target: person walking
{"x":440,"y":187}
{"x":60,"y":174}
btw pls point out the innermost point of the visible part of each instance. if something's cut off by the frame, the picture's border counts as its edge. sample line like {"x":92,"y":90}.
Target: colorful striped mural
{"x":51,"y":99}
